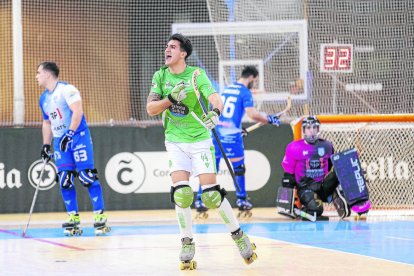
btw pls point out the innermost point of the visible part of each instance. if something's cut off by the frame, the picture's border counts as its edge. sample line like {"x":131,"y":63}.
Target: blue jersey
{"x":236,"y":98}
{"x":55,"y":108}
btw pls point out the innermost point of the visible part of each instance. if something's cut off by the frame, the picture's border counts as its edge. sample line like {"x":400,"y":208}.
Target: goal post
{"x":384,"y":143}
{"x":278,"y":48}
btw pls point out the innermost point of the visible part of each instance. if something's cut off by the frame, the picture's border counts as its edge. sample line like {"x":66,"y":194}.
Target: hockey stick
{"x":305,"y":215}
{"x":257,"y":125}
{"x":34,"y":198}
{"x":196,"y":73}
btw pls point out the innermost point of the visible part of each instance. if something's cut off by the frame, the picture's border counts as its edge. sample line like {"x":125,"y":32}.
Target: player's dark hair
{"x":249,"y":71}
{"x":185,"y":43}
{"x":51,"y":67}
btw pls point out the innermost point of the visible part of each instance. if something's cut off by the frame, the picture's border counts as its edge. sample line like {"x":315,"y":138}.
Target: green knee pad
{"x":213,"y":197}
{"x":183,"y":196}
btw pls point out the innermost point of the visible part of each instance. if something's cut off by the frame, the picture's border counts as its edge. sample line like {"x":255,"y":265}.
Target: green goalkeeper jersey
{"x":182,"y":121}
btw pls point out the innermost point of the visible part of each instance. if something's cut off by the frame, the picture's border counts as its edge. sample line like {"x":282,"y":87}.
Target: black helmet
{"x":311,"y":121}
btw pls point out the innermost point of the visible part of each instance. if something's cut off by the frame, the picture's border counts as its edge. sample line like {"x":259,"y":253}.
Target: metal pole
{"x":18,"y":80}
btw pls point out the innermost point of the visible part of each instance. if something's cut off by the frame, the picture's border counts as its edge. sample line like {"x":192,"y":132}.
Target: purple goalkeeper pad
{"x":349,"y":172}
{"x":285,"y":201}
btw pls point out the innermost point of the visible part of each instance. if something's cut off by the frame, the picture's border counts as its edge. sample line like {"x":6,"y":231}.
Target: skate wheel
{"x":201,"y":215}
{"x":252,"y":258}
{"x":72,"y":232}
{"x":249,"y":214}
{"x":193,"y":265}
{"x":253,"y":246}
{"x":359,"y":217}
{"x":182,"y":266}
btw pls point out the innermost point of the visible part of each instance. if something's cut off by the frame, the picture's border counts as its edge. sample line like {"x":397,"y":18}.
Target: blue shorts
{"x":233,"y":146}
{"x":79,"y":156}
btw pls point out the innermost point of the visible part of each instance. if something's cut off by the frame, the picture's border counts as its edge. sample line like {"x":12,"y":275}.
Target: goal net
{"x":277,"y":48}
{"x":384,"y":145}
{"x":382,"y":59}
{"x":110,"y":49}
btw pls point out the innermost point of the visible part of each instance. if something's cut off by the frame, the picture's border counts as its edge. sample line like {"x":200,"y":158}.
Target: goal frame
{"x":352,"y":118}
{"x":380,"y":208}
{"x":256,"y":27}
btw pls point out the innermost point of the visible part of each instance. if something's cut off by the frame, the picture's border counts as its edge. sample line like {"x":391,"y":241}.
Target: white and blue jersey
{"x":55,"y":108}
{"x":236,"y":98}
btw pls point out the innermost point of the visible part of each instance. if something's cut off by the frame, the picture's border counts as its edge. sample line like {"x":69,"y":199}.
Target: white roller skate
{"x":201,"y":209}
{"x":100,"y":224}
{"x":187,"y":254}
{"x":245,"y":208}
{"x":72,"y":226}
{"x":246,"y":248}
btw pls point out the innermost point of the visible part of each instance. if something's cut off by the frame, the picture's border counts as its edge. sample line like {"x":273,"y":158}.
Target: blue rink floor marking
{"x":391,"y":240}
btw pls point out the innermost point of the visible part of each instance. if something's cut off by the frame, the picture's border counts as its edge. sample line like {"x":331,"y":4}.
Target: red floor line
{"x":43,"y":240}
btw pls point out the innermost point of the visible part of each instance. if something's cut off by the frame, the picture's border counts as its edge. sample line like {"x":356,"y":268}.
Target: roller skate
{"x":100,"y":225}
{"x":72,"y":226}
{"x":340,"y":203}
{"x":187,"y":254}
{"x":201,"y":210}
{"x":361,"y":209}
{"x":246,"y":248}
{"x":245,"y":208}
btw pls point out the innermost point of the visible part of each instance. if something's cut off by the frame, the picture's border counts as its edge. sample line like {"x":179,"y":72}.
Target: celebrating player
{"x":63,"y":120}
{"x":188,"y":143}
{"x":237,"y":100}
{"x":308,"y":168}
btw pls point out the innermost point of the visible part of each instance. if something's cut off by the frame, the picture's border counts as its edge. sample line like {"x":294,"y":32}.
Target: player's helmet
{"x":313,"y":124}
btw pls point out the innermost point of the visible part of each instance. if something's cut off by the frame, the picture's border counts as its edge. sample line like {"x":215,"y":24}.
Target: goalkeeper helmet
{"x":310,"y":129}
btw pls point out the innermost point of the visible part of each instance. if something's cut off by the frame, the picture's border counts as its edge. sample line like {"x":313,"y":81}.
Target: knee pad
{"x":88,"y":177}
{"x":312,"y":204}
{"x":182,"y":195}
{"x":213,"y":197}
{"x":67,"y":179}
{"x":239,"y":170}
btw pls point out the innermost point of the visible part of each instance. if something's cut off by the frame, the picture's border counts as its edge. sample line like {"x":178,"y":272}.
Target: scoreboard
{"x":336,"y":58}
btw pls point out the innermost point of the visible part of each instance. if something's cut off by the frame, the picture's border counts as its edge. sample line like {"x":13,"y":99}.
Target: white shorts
{"x":196,"y":158}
